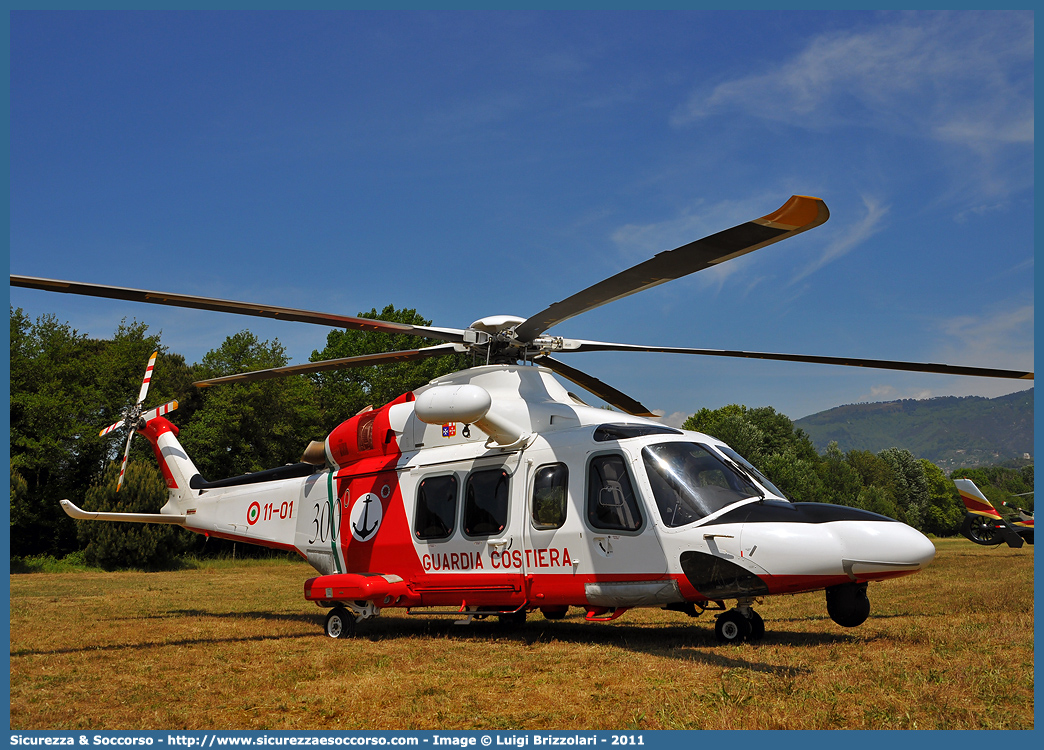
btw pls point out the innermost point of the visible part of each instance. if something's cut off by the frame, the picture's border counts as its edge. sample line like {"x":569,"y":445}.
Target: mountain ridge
{"x":951,"y":431}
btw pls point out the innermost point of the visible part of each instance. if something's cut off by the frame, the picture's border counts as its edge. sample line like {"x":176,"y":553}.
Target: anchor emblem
{"x":366,"y":517}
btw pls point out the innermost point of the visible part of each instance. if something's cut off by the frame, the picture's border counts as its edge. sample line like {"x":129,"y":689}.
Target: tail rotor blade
{"x":110,"y":428}
{"x":147,"y":379}
{"x":123,"y":466}
{"x":159,"y":411}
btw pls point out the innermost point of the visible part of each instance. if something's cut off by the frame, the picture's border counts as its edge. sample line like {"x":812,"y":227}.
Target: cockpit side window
{"x":689,"y":482}
{"x":611,"y":502}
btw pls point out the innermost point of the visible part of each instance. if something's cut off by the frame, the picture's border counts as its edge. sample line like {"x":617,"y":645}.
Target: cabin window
{"x":689,"y":482}
{"x":549,"y":505}
{"x":436,"y":507}
{"x":486,"y":503}
{"x":611,"y":502}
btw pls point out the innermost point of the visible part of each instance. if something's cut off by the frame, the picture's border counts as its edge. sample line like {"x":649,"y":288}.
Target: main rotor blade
{"x":797,"y":215}
{"x":231,"y":306}
{"x":439,"y":350}
{"x":881,"y":364}
{"x":604,"y":391}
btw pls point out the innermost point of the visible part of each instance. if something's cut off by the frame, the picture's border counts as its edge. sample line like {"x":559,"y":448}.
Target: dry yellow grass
{"x":238,"y":648}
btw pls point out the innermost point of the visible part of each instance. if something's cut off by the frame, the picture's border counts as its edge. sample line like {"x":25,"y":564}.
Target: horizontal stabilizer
{"x":88,"y":515}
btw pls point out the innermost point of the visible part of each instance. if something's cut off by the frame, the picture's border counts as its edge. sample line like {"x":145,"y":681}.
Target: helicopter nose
{"x":884,"y":548}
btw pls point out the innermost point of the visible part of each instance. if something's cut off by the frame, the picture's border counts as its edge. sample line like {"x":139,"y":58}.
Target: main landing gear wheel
{"x":733,"y":627}
{"x":980,"y":530}
{"x":340,"y":623}
{"x":757,"y":627}
{"x":513,"y":619}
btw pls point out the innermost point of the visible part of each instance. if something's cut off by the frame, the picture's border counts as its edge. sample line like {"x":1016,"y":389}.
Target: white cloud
{"x":1002,"y":338}
{"x":675,"y":419}
{"x":848,"y":237}
{"x":960,"y":77}
{"x":886,"y":392}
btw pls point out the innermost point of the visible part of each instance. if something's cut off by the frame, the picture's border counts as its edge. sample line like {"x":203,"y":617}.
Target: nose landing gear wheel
{"x":732,"y":627}
{"x":340,"y":623}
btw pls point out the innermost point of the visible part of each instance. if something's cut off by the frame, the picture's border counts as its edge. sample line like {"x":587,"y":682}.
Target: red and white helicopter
{"x":494,"y":491}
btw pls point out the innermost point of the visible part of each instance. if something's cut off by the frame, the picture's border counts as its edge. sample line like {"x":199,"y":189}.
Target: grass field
{"x":237,"y":647}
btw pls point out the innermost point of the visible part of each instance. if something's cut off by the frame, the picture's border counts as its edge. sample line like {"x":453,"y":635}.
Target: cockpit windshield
{"x":752,"y":469}
{"x":689,"y":482}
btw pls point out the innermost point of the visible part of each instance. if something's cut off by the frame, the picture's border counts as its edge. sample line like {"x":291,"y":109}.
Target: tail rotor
{"x":135,"y":419}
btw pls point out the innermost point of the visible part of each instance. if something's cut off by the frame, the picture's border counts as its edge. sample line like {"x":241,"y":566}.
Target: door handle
{"x":499,"y":545}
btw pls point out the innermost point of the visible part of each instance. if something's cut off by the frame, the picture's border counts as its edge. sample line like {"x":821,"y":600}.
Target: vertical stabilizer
{"x":175,"y":464}
{"x":974,"y":500}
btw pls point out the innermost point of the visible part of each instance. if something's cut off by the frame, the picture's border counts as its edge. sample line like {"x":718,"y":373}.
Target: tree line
{"x":66,"y":386}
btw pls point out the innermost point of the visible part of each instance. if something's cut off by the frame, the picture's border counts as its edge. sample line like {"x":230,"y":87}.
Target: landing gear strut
{"x":739,"y":624}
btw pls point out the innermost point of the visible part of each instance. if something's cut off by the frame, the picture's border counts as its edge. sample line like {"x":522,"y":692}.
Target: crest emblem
{"x":366,"y":517}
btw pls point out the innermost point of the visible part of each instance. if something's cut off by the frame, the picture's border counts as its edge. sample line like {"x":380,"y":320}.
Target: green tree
{"x":780,"y":435}
{"x":53,"y":403}
{"x":873,"y":471}
{"x":343,"y":393}
{"x":65,"y":387}
{"x":731,"y":425}
{"x":1026,"y":474}
{"x":840,"y":479}
{"x":130,"y":545}
{"x":944,"y":510}
{"x":877,"y":500}
{"x":245,"y":427}
{"x":798,"y":478}
{"x":911,"y":487}
{"x":22,"y":515}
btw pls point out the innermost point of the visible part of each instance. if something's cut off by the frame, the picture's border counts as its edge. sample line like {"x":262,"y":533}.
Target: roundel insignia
{"x":253,"y":513}
{"x":366,"y":517}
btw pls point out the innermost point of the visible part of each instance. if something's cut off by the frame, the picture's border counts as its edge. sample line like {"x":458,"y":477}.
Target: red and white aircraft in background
{"x":494,"y":491}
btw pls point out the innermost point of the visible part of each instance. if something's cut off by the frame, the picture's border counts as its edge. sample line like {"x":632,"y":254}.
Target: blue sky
{"x":470,"y":164}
